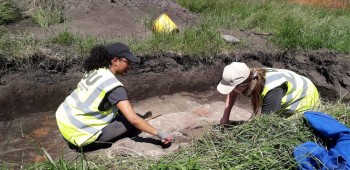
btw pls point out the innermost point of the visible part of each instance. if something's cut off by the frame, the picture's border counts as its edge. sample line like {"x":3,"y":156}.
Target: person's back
{"x":80,"y":117}
{"x":301,"y":94}
{"x":271,"y":90}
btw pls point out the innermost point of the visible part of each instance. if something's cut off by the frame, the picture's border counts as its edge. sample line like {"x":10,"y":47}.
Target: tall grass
{"x":9,"y":12}
{"x":46,"y":12}
{"x":293,"y":25}
{"x":265,"y":143}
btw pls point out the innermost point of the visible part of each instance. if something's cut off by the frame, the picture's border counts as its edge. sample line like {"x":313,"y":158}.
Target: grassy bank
{"x":291,"y":26}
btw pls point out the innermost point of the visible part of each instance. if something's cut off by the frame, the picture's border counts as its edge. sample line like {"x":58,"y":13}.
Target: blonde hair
{"x":255,"y":85}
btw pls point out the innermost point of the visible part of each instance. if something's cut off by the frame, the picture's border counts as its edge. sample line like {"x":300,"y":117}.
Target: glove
{"x":165,"y":137}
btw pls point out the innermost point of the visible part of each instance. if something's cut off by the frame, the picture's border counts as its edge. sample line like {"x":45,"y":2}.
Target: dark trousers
{"x":120,"y":127}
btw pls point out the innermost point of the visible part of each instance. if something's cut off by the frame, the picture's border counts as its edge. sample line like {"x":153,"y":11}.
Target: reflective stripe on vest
{"x":78,"y":117}
{"x":298,"y":88}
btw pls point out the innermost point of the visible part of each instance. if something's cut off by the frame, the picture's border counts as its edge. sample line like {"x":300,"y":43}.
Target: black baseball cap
{"x":121,"y":50}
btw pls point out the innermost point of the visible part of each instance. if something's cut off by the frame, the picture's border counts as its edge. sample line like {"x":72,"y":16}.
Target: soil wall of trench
{"x":41,"y":83}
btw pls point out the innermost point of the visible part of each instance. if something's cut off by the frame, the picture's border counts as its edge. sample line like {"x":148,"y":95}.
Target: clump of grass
{"x":18,"y":45}
{"x":65,"y":38}
{"x":81,"y":43}
{"x":3,"y":31}
{"x":46,"y":12}
{"x":85,"y":43}
{"x":339,"y":109}
{"x":9,"y":12}
{"x":147,"y":21}
{"x":200,"y":6}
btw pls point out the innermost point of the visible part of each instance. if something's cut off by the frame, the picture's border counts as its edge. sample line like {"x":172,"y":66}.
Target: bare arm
{"x":127,"y":110}
{"x":230,"y":101}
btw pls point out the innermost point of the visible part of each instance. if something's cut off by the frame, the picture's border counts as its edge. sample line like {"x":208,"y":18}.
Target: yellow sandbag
{"x":163,"y":24}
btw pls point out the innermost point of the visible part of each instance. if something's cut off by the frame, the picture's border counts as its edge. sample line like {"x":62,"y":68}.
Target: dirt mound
{"x":112,"y":19}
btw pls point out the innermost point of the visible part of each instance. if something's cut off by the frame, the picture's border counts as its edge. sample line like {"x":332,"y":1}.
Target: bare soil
{"x":180,"y":87}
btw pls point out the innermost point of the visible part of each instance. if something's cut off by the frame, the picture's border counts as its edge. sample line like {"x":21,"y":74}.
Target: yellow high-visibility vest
{"x":79,"y":119}
{"x":301,"y":94}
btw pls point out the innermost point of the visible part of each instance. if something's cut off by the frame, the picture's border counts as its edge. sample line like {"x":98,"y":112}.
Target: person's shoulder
{"x":121,"y":88}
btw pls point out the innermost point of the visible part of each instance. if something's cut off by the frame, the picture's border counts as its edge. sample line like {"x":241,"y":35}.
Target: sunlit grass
{"x":293,"y":26}
{"x":46,"y":12}
{"x":9,"y":12}
{"x":325,"y":3}
{"x":81,"y":43}
{"x":18,"y":46}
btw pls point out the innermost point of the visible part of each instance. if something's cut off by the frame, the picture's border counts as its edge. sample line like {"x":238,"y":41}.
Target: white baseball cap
{"x":233,"y":75}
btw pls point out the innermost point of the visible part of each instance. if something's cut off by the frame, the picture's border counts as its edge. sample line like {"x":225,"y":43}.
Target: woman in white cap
{"x":270,"y":90}
{"x":98,"y":111}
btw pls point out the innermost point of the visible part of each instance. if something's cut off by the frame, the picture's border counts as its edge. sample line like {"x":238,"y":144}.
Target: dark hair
{"x":98,"y":58}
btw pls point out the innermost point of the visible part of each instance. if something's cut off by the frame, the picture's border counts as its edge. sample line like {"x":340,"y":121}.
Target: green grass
{"x":18,"y":46}
{"x":250,"y":146}
{"x":64,"y":38}
{"x":84,"y":44}
{"x":293,"y":26}
{"x":81,"y":43}
{"x":25,"y":44}
{"x":46,"y":12}
{"x":9,"y":12}
{"x":191,"y":41}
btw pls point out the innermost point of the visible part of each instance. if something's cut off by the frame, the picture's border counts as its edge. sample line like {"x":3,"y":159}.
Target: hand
{"x":224,"y":120}
{"x":165,"y":137}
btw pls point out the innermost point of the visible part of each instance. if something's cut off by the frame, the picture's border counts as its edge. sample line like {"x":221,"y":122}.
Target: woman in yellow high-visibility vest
{"x":98,"y":110}
{"x":270,"y":90}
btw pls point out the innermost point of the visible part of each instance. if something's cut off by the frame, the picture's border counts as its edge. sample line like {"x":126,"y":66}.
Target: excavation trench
{"x":182,"y":89}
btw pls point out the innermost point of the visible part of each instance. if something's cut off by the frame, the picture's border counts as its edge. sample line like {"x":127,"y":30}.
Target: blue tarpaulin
{"x":311,"y":156}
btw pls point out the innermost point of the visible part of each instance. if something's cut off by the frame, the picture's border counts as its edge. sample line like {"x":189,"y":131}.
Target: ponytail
{"x":258,"y":75}
{"x":98,"y":58}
